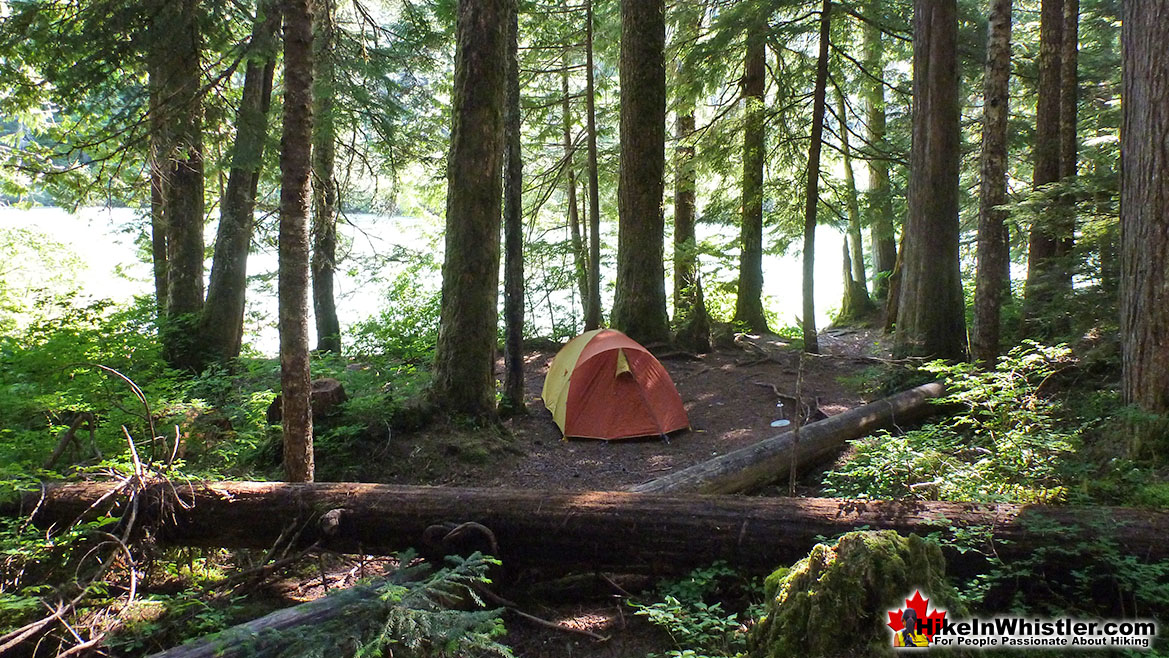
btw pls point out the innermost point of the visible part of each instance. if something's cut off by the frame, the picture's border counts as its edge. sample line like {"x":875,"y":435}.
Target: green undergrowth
{"x":706,"y":614}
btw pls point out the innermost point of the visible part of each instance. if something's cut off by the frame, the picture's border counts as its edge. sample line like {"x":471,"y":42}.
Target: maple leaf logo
{"x":930,"y":623}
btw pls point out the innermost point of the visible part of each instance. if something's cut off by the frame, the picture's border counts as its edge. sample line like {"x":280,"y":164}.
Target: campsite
{"x":583,"y":328}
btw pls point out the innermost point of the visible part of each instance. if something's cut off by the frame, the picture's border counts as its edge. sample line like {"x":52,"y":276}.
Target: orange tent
{"x":604,"y":385}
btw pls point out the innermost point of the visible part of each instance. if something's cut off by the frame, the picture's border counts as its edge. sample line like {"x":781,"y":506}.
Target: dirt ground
{"x":730,"y":397}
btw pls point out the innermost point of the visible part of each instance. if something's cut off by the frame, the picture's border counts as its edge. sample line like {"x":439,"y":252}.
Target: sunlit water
{"x":112,"y":247}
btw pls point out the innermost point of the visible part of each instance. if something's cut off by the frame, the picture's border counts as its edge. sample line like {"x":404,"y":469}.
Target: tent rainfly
{"x":604,"y":385}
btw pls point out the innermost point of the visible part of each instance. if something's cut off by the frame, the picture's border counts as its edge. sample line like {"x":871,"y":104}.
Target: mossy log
{"x":610,"y":530}
{"x":769,"y":460}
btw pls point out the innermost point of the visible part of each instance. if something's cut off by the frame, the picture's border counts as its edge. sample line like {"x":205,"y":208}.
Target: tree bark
{"x":691,"y":321}
{"x":293,"y":278}
{"x":1144,"y":209}
{"x":223,"y":314}
{"x":593,"y":317}
{"x":580,"y":255}
{"x":763,"y":463}
{"x":513,"y":226}
{"x":464,"y":362}
{"x":993,"y":281}
{"x":856,"y":306}
{"x":931,"y":313}
{"x":812,"y":189}
{"x":749,"y":300}
{"x":325,"y":206}
{"x":1069,"y":96}
{"x":176,"y":52}
{"x":158,"y":139}
{"x":639,"y":308}
{"x":1046,"y":273}
{"x":628,"y":532}
{"x":880,"y":199}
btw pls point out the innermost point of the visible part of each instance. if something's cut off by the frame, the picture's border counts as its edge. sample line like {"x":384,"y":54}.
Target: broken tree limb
{"x":769,"y":460}
{"x":614,"y":530}
{"x":271,"y":634}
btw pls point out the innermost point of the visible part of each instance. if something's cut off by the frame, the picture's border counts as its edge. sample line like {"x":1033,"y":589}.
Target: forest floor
{"x":730,"y":395}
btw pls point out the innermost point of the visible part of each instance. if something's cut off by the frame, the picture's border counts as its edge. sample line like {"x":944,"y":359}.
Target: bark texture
{"x":464,"y":362}
{"x":582,"y":530}
{"x":1144,"y":209}
{"x":749,"y":300}
{"x":593,"y":317}
{"x":325,"y":203}
{"x":639,"y":308}
{"x":691,"y":320}
{"x":293,"y":280}
{"x":176,"y":53}
{"x":812,"y":188}
{"x":223,"y":314}
{"x":513,"y":227}
{"x":931,"y":312}
{"x":992,"y":282}
{"x":880,"y":200}
{"x":1047,"y":274}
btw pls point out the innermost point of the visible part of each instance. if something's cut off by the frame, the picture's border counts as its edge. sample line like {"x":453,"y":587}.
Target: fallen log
{"x":763,"y":463}
{"x":272,"y":634}
{"x":614,"y":530}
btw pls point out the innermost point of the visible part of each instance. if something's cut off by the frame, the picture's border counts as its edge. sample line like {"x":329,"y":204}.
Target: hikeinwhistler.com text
{"x":1005,"y":632}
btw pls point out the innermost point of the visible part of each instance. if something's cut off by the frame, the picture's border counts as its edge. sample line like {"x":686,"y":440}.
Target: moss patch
{"x":834,"y":602}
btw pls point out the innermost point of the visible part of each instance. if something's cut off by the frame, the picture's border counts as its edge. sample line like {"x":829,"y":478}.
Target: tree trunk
{"x":1046,"y":273}
{"x":176,"y":48}
{"x":158,"y":139}
{"x":628,"y":532}
{"x":755,"y":466}
{"x":1144,"y":210}
{"x":931,"y":313}
{"x":324,"y":228}
{"x":749,"y":300}
{"x":993,"y":281}
{"x":513,"y":227}
{"x":580,"y":256}
{"x":812,"y":190}
{"x":856,"y":306}
{"x":223,"y":314}
{"x":293,"y":284}
{"x":593,"y":317}
{"x":1069,"y":96}
{"x":464,"y":361}
{"x":640,"y":305}
{"x":880,"y":199}
{"x":690,"y":317}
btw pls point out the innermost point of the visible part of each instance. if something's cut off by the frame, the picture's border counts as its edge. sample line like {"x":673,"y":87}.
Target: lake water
{"x":111,"y":245}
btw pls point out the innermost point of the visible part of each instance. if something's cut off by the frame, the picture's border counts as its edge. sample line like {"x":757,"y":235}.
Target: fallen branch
{"x":769,"y":460}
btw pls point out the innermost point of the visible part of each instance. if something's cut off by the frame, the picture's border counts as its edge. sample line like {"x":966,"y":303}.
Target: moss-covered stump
{"x":835,"y":601}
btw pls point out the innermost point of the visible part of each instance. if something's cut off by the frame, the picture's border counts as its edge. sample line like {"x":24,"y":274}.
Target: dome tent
{"x":604,"y":385}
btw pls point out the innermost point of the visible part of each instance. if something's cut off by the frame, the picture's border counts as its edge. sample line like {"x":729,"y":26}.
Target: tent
{"x":604,"y":385}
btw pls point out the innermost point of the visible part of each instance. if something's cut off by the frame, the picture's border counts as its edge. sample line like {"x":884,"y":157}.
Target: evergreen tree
{"x":1144,"y":210}
{"x":295,"y":169}
{"x":640,"y":305}
{"x":931,"y":313}
{"x":464,"y":360}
